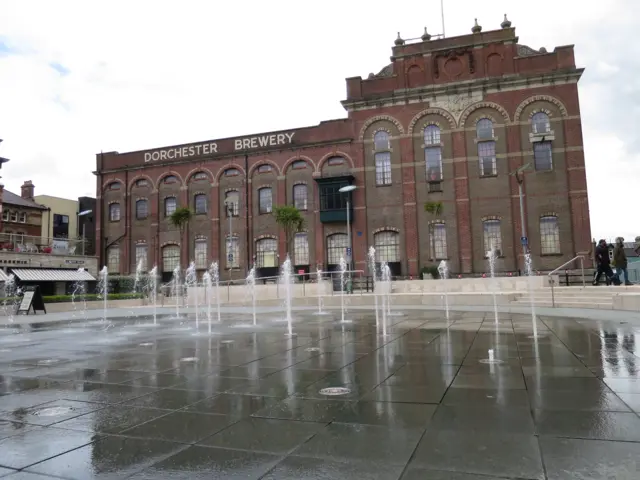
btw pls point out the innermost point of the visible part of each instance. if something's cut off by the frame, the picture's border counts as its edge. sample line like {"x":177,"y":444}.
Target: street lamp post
{"x":349,"y":189}
{"x":84,"y":227}
{"x":519,"y":176}
{"x":229,"y":206}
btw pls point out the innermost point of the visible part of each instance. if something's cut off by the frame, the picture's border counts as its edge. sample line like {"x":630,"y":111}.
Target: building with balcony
{"x":429,"y":142}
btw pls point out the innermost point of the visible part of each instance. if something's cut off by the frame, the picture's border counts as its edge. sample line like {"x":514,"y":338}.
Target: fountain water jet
{"x":215,"y":278}
{"x":385,"y":281}
{"x":138,"y":277}
{"x":443,"y":270}
{"x":319,"y":292}
{"x":80,"y":288}
{"x":176,"y":288}
{"x":285,"y":278}
{"x":208,"y":293}
{"x":152,"y":291}
{"x":10,"y":291}
{"x":103,"y":289}
{"x":251,"y":283}
{"x":493,"y":256}
{"x":529,"y":272}
{"x":343,"y":270}
{"x":191,"y":282}
{"x":372,"y":266}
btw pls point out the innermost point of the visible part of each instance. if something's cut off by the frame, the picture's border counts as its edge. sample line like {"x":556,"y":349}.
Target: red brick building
{"x":430,"y":142}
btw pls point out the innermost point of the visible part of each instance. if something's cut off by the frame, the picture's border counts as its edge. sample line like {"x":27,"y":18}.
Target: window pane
{"x":266,"y":200}
{"x":438,"y":241}
{"x":492,"y":236}
{"x":113,"y":259}
{"x":433,"y":159}
{"x":301,"y":249}
{"x":200,"y":201}
{"x":142,"y":209}
{"x":484,"y":128}
{"x":233,"y":248}
{"x":549,"y":235}
{"x":169,"y":206}
{"x":141,"y":256}
{"x":200,"y":251}
{"x":300,"y":197}
{"x":114,"y":212}
{"x":336,"y":248}
{"x":381,"y":141}
{"x":331,"y":198}
{"x":383,"y":168}
{"x":387,"y":246}
{"x":542,"y":156}
{"x":487,"y":156}
{"x":540,"y":123}
{"x":232,"y":201}
{"x":231,"y":172}
{"x":266,"y":253}
{"x":170,"y":258}
{"x":432,"y":135}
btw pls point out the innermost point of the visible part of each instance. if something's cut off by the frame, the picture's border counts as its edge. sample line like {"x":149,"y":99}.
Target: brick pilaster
{"x":185,"y":248}
{"x":409,"y":209}
{"x":463,"y":210}
{"x":215,"y":213}
{"x":99,"y":231}
{"x":514,"y":145}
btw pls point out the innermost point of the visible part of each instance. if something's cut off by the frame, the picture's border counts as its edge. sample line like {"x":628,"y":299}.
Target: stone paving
{"x":132,"y":400}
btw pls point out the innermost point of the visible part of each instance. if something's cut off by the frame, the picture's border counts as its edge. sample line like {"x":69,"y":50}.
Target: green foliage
{"x":180,"y":218}
{"x":290,"y":219}
{"x":434,"y":208}
{"x":78,"y":298}
{"x":430,"y":270}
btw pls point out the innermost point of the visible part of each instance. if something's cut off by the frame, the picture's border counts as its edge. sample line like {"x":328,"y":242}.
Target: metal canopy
{"x":52,"y":275}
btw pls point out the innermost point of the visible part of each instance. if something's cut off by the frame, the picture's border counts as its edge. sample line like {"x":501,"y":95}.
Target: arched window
{"x":142,"y":209}
{"x":114,"y":212}
{"x":387,"y":244}
{"x":23,"y":217}
{"x":143,"y":182}
{"x":264,"y":168}
{"x":299,"y":165}
{"x":336,"y":248}
{"x":438,"y":241}
{"x":200,"y":203}
{"x":382,"y":157}
{"x":169,"y":179}
{"x":301,"y":249}
{"x":141,"y":256}
{"x":433,"y":153}
{"x":300,"y":196}
{"x":549,"y":235}
{"x":333,"y":161}
{"x":233,"y":252}
{"x":232,"y":203}
{"x":265,"y":200}
{"x":486,"y":148}
{"x":199,"y":177}
{"x":492,"y":231}
{"x":266,"y":253}
{"x":170,"y":257}
{"x":231,"y":172}
{"x":540,"y":123}
{"x":170,"y":205}
{"x":200,"y":253}
{"x":114,"y":186}
{"x":113,"y":259}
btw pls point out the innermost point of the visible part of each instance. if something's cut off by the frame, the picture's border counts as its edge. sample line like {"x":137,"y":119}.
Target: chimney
{"x":27,"y":190}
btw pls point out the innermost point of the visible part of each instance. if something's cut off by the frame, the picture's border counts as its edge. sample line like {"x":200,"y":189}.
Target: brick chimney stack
{"x":27,"y":190}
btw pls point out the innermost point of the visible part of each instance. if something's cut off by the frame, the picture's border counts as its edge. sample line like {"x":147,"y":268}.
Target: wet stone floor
{"x":464,"y":399}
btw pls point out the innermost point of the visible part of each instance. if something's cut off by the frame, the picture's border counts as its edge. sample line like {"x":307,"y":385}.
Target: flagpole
{"x":442,"y":15}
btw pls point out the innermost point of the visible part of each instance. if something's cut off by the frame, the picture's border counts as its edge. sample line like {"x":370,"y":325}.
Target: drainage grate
{"x":334,"y":391}
{"x":491,"y":361}
{"x":312,"y":349}
{"x":52,"y":411}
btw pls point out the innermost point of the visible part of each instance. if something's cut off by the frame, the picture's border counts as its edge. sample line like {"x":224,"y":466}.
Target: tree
{"x":180,"y":218}
{"x":290,"y":220}
{"x":435,"y":209}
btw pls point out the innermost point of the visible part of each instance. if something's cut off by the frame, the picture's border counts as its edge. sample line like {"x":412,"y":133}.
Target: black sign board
{"x":32,"y":298}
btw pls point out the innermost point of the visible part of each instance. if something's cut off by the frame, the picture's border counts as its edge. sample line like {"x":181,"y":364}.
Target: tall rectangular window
{"x":267,"y":253}
{"x":170,"y":206}
{"x":387,"y":244}
{"x":233,"y":252}
{"x":433,"y":159}
{"x":542,"y":156}
{"x":300,"y":196}
{"x":113,"y":259}
{"x":487,"y":157}
{"x":61,"y":222}
{"x":200,"y":251}
{"x":438,"y":241}
{"x":301,"y":249}
{"x":336,"y":248}
{"x":170,"y":257}
{"x":232,"y":203}
{"x":492,"y":236}
{"x":265,"y":199}
{"x":142,"y":209}
{"x":200,"y":203}
{"x":549,"y":235}
{"x":383,"y":168}
{"x":141,"y":256}
{"x":114,"y":213}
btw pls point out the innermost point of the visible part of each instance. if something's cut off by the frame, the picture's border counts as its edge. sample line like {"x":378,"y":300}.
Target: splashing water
{"x":191,"y":282}
{"x":319,"y":291}
{"x":385,"y":283}
{"x":208,"y":293}
{"x":176,"y":288}
{"x":493,"y":256}
{"x":138,"y":277}
{"x":251,"y":283}
{"x":372,"y":266}
{"x":152,"y":291}
{"x":529,"y":272}
{"x":10,"y":291}
{"x":215,"y":278}
{"x":103,"y":289}
{"x":80,"y":288}
{"x":285,"y":278}
{"x":343,"y":270}
{"x":443,"y":270}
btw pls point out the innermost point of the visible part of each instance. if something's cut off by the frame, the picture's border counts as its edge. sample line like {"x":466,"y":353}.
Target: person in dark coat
{"x":603,"y":263}
{"x":620,"y":260}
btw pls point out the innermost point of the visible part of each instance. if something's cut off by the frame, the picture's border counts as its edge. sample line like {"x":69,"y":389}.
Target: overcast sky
{"x":78,"y":77}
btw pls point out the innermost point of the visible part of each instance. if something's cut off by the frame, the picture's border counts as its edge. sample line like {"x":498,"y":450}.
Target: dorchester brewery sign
{"x":211,"y":148}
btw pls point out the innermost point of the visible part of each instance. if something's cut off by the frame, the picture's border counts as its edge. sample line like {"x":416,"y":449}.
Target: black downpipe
{"x":127,"y":215}
{"x":246,"y":211}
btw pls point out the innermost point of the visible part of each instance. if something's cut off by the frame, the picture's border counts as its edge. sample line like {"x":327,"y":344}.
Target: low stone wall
{"x":626,"y":301}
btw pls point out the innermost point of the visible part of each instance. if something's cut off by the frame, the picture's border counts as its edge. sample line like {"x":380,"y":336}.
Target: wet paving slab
{"x":464,"y":399}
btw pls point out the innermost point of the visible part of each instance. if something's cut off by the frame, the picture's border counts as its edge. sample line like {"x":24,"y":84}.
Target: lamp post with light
{"x":84,"y":227}
{"x":348,"y":189}
{"x":519,"y":176}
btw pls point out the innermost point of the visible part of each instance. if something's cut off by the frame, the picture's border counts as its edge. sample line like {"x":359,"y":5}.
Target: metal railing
{"x":29,"y":244}
{"x":551,"y":282}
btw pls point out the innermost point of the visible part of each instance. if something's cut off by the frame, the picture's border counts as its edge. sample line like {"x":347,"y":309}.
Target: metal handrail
{"x":551,"y":282}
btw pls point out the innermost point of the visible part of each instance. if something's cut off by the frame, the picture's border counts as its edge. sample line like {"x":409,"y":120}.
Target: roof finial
{"x":476,"y":28}
{"x":426,"y":36}
{"x":506,"y":23}
{"x":399,"y":41}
